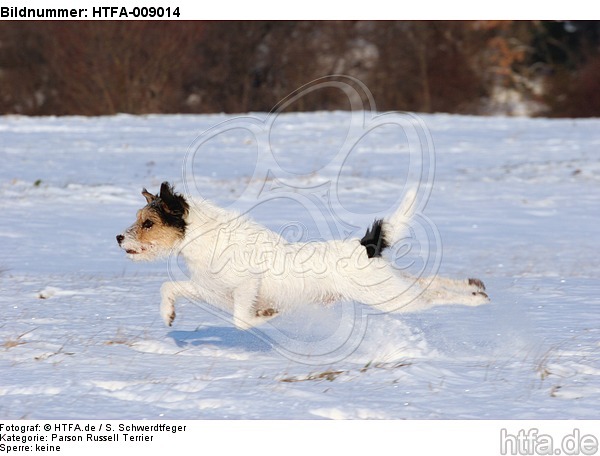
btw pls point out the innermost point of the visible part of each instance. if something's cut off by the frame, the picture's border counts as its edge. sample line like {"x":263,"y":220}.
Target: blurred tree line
{"x":547,"y":68}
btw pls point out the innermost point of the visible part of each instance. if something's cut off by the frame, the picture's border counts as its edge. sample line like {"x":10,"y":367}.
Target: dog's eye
{"x":147,"y":224}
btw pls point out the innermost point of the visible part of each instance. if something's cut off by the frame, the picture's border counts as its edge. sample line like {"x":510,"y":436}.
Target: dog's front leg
{"x":169,"y":292}
{"x":244,"y":300}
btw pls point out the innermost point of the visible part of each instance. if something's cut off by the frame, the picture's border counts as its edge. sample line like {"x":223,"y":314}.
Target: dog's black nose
{"x":120,"y":238}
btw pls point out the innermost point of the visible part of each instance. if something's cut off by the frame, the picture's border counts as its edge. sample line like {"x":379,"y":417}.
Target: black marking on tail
{"x":374,"y":239}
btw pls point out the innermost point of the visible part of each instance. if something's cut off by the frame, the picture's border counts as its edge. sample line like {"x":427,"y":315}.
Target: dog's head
{"x":159,"y":226}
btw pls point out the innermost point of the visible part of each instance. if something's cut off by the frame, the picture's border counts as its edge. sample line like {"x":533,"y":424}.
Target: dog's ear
{"x":149,"y":196}
{"x":172,"y":203}
{"x":166,"y":191}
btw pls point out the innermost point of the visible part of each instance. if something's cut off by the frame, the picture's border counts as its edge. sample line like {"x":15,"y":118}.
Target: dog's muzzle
{"x":120,"y":239}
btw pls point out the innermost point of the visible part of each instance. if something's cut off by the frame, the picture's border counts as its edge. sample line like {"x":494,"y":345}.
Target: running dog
{"x":255,"y":274}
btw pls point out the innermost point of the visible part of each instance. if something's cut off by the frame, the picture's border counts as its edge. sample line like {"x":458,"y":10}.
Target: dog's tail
{"x":384,"y":233}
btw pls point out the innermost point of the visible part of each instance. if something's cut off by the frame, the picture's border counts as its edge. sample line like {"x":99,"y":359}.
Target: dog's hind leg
{"x":468,"y":292}
{"x":465,"y":285}
{"x":467,"y":295}
{"x":416,"y":299}
{"x":385,"y":290}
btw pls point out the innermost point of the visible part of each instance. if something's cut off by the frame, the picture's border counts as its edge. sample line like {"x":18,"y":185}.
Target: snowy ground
{"x":515,"y":202}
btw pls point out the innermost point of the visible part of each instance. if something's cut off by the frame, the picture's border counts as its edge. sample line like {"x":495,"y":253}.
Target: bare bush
{"x":576,"y":94}
{"x":23,"y":82}
{"x":103,"y":68}
{"x":95,"y":68}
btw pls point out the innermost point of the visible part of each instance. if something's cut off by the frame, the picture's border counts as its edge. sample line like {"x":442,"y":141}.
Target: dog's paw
{"x":266,"y":313}
{"x":256,"y":318}
{"x":478,"y":298}
{"x":477,"y":283}
{"x":167,"y":312}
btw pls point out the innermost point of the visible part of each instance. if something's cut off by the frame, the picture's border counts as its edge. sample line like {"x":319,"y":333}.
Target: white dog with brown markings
{"x":255,"y":274}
